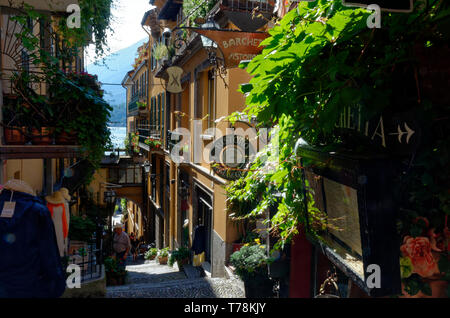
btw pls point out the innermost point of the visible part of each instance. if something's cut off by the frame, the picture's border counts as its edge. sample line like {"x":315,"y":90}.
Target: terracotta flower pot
{"x":163,"y":260}
{"x":15,"y":136}
{"x":114,"y":279}
{"x":65,"y":138}
{"x":42,"y":136}
{"x":182,"y":262}
{"x":237,"y":246}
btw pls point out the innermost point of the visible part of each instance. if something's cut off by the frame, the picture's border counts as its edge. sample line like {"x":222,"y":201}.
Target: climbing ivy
{"x":319,"y":59}
{"x":95,"y":25}
{"x":193,"y":9}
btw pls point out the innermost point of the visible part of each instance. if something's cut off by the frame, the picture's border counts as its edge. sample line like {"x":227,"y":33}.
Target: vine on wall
{"x":322,"y":58}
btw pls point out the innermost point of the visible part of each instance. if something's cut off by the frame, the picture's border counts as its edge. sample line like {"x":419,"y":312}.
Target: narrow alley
{"x":253,"y":150}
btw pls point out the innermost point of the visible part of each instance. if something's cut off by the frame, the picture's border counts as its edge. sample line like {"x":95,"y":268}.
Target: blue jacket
{"x":30,"y":265}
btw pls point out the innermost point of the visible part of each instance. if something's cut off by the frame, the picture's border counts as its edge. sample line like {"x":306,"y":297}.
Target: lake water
{"x":118,"y":135}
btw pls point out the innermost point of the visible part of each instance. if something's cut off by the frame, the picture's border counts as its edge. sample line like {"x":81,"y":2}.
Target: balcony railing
{"x":9,"y":85}
{"x":152,"y":131}
{"x":90,"y":261}
{"x":249,"y":5}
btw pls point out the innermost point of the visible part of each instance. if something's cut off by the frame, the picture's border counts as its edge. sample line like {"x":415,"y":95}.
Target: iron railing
{"x":90,"y":261}
{"x":10,"y":78}
{"x":249,"y":5}
{"x":152,"y":131}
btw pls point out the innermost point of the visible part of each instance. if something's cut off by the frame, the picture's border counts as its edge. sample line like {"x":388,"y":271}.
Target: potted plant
{"x":163,"y":256}
{"x":250,"y":264}
{"x":15,"y":135}
{"x":42,"y":135}
{"x":156,"y":145}
{"x":135,"y":142}
{"x":65,"y":137}
{"x":160,"y":51}
{"x":248,"y":238}
{"x":151,"y":254}
{"x":115,"y":275}
{"x":141,"y":106}
{"x":181,"y":256}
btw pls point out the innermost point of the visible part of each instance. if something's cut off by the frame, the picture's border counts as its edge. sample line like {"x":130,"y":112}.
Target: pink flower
{"x":419,"y":251}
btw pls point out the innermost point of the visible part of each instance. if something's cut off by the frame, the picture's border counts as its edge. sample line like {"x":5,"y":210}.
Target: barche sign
{"x":235,"y":45}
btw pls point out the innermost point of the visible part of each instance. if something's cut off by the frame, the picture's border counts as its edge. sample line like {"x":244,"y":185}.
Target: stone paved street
{"x":151,"y":280}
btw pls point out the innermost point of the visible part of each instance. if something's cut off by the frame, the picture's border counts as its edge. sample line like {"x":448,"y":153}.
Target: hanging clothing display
{"x":30,"y":265}
{"x":199,"y":245}
{"x":67,"y":198}
{"x":57,"y":206}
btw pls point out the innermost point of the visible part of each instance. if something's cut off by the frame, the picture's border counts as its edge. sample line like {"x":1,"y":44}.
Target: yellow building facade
{"x":184,"y":190}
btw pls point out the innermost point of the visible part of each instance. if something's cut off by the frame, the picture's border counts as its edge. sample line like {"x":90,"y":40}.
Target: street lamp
{"x":208,"y":43}
{"x":147,"y":165}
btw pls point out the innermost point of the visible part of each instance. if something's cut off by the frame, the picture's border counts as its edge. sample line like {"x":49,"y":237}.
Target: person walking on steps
{"x":134,"y":243}
{"x":121,"y":245}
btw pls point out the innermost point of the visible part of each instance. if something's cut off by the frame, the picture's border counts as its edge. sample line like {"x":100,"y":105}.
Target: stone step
{"x":187,"y":282}
{"x":193,"y":272}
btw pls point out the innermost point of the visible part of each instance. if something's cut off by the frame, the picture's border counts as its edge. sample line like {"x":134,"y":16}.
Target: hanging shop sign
{"x":399,"y":133}
{"x":235,"y":45}
{"x":174,"y":79}
{"x":230,"y":156}
{"x":385,"y":5}
{"x":355,"y":192}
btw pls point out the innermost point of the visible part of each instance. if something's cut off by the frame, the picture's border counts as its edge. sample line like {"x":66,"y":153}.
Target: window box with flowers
{"x":153,"y":143}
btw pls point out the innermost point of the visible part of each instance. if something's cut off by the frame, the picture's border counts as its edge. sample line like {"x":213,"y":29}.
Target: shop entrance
{"x":203,"y":217}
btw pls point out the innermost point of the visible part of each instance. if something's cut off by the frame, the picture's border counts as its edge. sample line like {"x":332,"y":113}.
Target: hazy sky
{"x":127,"y":17}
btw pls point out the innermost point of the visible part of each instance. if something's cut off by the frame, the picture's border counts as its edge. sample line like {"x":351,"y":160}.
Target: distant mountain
{"x":112,"y":71}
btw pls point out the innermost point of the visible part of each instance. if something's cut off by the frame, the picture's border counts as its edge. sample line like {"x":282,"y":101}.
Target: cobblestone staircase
{"x":152,"y":280}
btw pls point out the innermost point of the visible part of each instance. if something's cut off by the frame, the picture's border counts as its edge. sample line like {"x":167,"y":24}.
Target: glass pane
{"x":130,"y":175}
{"x":122,"y":176}
{"x":138,"y":174}
{"x":113,"y":175}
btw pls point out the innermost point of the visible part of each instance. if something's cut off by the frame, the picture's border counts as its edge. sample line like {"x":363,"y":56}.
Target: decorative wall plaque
{"x":230,"y":156}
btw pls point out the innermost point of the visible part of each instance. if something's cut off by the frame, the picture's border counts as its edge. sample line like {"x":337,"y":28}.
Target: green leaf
{"x":245,"y":88}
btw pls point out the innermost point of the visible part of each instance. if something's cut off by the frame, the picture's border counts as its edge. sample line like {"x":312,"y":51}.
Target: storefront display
{"x":360,"y":237}
{"x":30,"y":265}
